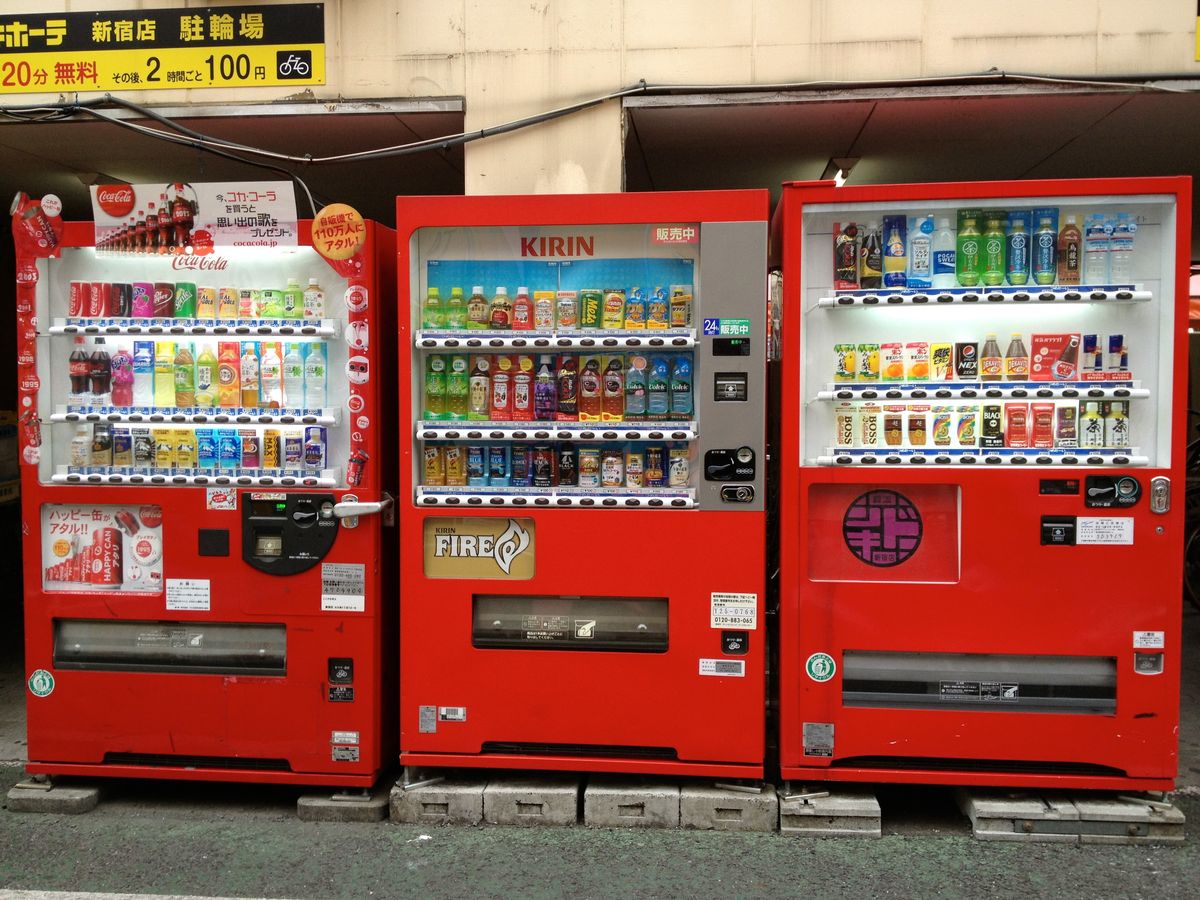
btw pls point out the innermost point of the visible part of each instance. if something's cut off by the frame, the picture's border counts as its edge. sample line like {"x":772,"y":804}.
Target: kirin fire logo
{"x":503,"y":549}
{"x":882,"y":528}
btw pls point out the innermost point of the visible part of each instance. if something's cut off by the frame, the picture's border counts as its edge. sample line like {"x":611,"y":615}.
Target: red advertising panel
{"x":982,"y":458}
{"x":202,"y":456}
{"x":582,"y":504}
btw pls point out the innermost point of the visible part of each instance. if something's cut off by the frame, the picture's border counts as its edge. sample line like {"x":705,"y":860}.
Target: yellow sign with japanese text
{"x":156,"y":49}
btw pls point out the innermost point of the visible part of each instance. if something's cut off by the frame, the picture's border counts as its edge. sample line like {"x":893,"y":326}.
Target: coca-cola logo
{"x":203,"y":263}
{"x":115,"y":199}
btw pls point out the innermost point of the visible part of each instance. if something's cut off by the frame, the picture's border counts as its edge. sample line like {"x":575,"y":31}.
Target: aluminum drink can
{"x":106,"y":557}
{"x":164,"y":300}
{"x":435,"y":465}
{"x":143,"y":299}
{"x":522,"y":462}
{"x":635,"y":468}
{"x":612,"y":468}
{"x":95,"y":306}
{"x":589,"y":467}
{"x":77,"y":299}
{"x":122,"y":300}
{"x":293,"y":450}
{"x":543,"y":466}
{"x":679,"y":471}
{"x":271,"y":450}
{"x":498,"y":464}
{"x":568,"y":465}
{"x":656,"y":474}
{"x":476,"y":465}
{"x":184,"y":302}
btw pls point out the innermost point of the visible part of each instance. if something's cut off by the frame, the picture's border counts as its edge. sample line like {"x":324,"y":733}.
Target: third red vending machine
{"x":582,"y":512}
{"x":982,"y":476}
{"x":204,"y":576}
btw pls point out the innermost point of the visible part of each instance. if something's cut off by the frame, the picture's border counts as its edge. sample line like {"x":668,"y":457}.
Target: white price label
{"x":734,"y":611}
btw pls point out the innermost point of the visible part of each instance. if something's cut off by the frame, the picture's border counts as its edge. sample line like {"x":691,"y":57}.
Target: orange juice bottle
{"x":229,"y":389}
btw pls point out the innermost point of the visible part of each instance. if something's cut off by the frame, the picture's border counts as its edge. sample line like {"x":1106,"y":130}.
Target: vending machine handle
{"x":355,"y":507}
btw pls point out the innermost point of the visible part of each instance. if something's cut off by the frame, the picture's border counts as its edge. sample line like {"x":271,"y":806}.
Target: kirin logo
{"x":503,"y":549}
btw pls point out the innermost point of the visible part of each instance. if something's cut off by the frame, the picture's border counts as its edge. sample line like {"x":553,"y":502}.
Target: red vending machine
{"x":202,"y":466}
{"x":582,"y":512}
{"x":982,"y":476}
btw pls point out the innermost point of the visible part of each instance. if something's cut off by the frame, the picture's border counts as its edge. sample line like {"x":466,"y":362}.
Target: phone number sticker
{"x":734,"y":610}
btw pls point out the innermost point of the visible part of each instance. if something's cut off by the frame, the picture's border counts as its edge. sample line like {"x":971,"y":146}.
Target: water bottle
{"x":314,"y":376}
{"x":1120,"y":249}
{"x":1096,"y":235}
{"x":293,"y":377}
{"x":943,"y":255}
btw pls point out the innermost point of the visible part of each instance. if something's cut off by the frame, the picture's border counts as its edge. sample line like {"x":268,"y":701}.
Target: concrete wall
{"x":513,"y":58}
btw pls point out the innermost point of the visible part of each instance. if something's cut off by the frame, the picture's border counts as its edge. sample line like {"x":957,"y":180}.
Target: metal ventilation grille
{"x":1008,"y":766}
{"x":166,"y":760}
{"x":602,"y":750}
{"x":980,"y":682}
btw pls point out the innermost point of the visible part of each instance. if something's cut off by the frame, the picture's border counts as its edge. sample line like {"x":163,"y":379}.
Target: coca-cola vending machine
{"x":203,"y":468}
{"x":581,"y":505}
{"x":982,"y":481}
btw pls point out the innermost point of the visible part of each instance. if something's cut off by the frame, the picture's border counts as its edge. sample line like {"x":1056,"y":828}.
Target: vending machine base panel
{"x":184,"y":773}
{"x":623,"y":765}
{"x":981,"y":778}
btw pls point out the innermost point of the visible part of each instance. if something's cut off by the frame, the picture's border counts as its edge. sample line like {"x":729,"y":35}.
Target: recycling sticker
{"x":820,"y":667}
{"x":41,"y":683}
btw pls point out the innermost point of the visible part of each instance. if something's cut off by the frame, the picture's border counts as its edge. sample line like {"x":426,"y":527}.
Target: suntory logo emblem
{"x":505,"y":548}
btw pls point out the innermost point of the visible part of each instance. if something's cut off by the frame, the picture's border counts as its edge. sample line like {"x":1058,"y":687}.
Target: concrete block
{"x":722,"y":809}
{"x":344,"y":807}
{"x":535,"y":801}
{"x":630,"y":804}
{"x":1079,"y":818}
{"x":36,"y":797}
{"x":1142,"y":821}
{"x":841,"y":813}
{"x":444,"y":803}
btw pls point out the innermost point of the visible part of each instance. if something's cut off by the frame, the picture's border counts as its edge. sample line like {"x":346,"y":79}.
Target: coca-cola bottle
{"x":139,"y":232}
{"x":182,"y":216}
{"x":79,"y":367}
{"x":100,"y":374}
{"x":150,"y":245}
{"x":166,"y":234}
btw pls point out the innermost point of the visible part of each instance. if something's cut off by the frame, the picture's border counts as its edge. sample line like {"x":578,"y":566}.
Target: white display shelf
{"x":177,"y":327}
{"x":197,"y":415}
{"x":465,"y":430}
{"x":987,"y":390}
{"x":981,"y":458}
{"x":1030,"y":295}
{"x":196,"y":477}
{"x":560,"y":497}
{"x":551,"y":341}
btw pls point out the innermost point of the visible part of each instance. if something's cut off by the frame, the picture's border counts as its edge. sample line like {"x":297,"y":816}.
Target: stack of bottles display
{"x":984,"y":247}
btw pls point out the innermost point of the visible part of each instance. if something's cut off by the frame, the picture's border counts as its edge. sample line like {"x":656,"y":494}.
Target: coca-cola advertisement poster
{"x":194,"y":219}
{"x":90,"y":547}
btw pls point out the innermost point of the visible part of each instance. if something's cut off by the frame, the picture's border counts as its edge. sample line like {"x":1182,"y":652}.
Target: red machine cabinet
{"x":585,"y":594}
{"x":980,"y":579}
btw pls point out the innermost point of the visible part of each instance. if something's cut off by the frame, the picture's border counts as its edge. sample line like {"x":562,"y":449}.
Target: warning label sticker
{"x":1149,"y":640}
{"x":734,"y":610}
{"x":188,"y":593}
{"x":1103,"y":530}
{"x":343,"y":587}
{"x":818,"y":739}
{"x":730,"y":667}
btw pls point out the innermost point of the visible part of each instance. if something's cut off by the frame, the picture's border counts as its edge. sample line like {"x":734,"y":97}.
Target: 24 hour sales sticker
{"x":734,"y":610}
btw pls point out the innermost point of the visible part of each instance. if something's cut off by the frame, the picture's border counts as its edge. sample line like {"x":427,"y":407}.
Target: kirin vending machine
{"x":581,"y":502}
{"x":202,"y":467}
{"x":982,"y":472}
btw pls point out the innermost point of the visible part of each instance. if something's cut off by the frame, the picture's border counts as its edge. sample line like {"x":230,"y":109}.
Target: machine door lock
{"x":1160,"y":494}
{"x":350,"y":508}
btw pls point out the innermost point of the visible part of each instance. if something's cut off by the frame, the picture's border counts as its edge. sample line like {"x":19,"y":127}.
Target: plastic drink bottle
{"x":1095,"y":250}
{"x":185,"y":376}
{"x":143,"y":373}
{"x":943,"y":255}
{"x":271,"y":374}
{"x":658,"y":402}
{"x":249,"y":376}
{"x":78,"y":368}
{"x":435,"y":386}
{"x":1016,"y":359}
{"x":293,"y":377}
{"x":1120,"y":250}
{"x":968,"y":254}
{"x":431,"y":310}
{"x":1045,"y":253}
{"x":315,"y":376}
{"x":100,"y":374}
{"x":456,"y":310}
{"x":477,"y":309}
{"x":870,"y":258}
{"x":1016,"y":257}
{"x":164,"y":374}
{"x":122,"y":377}
{"x":457,"y":384}
{"x":229,"y":393}
{"x":1069,"y":241}
{"x":293,"y":300}
{"x":314,"y":300}
{"x":545,"y":390}
{"x":920,"y":253}
{"x":635,"y":387}
{"x":501,"y":310}
{"x":895,"y":257}
{"x":522,"y":310}
{"x":991,"y":363}
{"x":206,"y":377}
{"x":993,"y":254}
